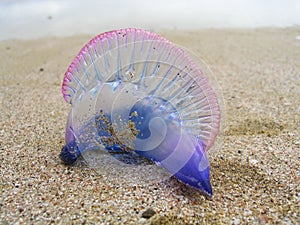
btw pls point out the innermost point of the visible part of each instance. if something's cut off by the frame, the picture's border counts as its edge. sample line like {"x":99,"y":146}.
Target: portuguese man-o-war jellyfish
{"x":133,"y":91}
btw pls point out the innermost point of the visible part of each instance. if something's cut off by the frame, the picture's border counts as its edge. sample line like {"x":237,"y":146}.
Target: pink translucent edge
{"x":151,"y":36}
{"x":99,"y":38}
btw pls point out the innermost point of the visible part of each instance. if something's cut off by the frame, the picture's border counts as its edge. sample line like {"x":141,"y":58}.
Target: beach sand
{"x":255,"y":176}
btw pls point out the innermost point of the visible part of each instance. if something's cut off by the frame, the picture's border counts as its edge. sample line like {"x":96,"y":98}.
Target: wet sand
{"x":255,"y":176}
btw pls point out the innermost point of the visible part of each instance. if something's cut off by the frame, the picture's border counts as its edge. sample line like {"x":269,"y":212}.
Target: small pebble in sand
{"x":148,"y":213}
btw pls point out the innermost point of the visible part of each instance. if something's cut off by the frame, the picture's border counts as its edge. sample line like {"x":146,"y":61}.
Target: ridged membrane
{"x":149,"y":65}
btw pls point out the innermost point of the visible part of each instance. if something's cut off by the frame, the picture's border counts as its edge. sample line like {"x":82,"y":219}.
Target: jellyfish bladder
{"x":133,"y":91}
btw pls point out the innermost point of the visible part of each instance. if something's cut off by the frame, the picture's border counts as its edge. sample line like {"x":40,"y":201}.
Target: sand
{"x":255,"y":176}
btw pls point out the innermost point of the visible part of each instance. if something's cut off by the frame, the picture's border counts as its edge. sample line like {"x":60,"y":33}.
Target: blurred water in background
{"x":37,"y":18}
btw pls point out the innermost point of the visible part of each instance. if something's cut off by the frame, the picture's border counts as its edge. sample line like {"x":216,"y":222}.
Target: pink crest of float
{"x":78,"y":76}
